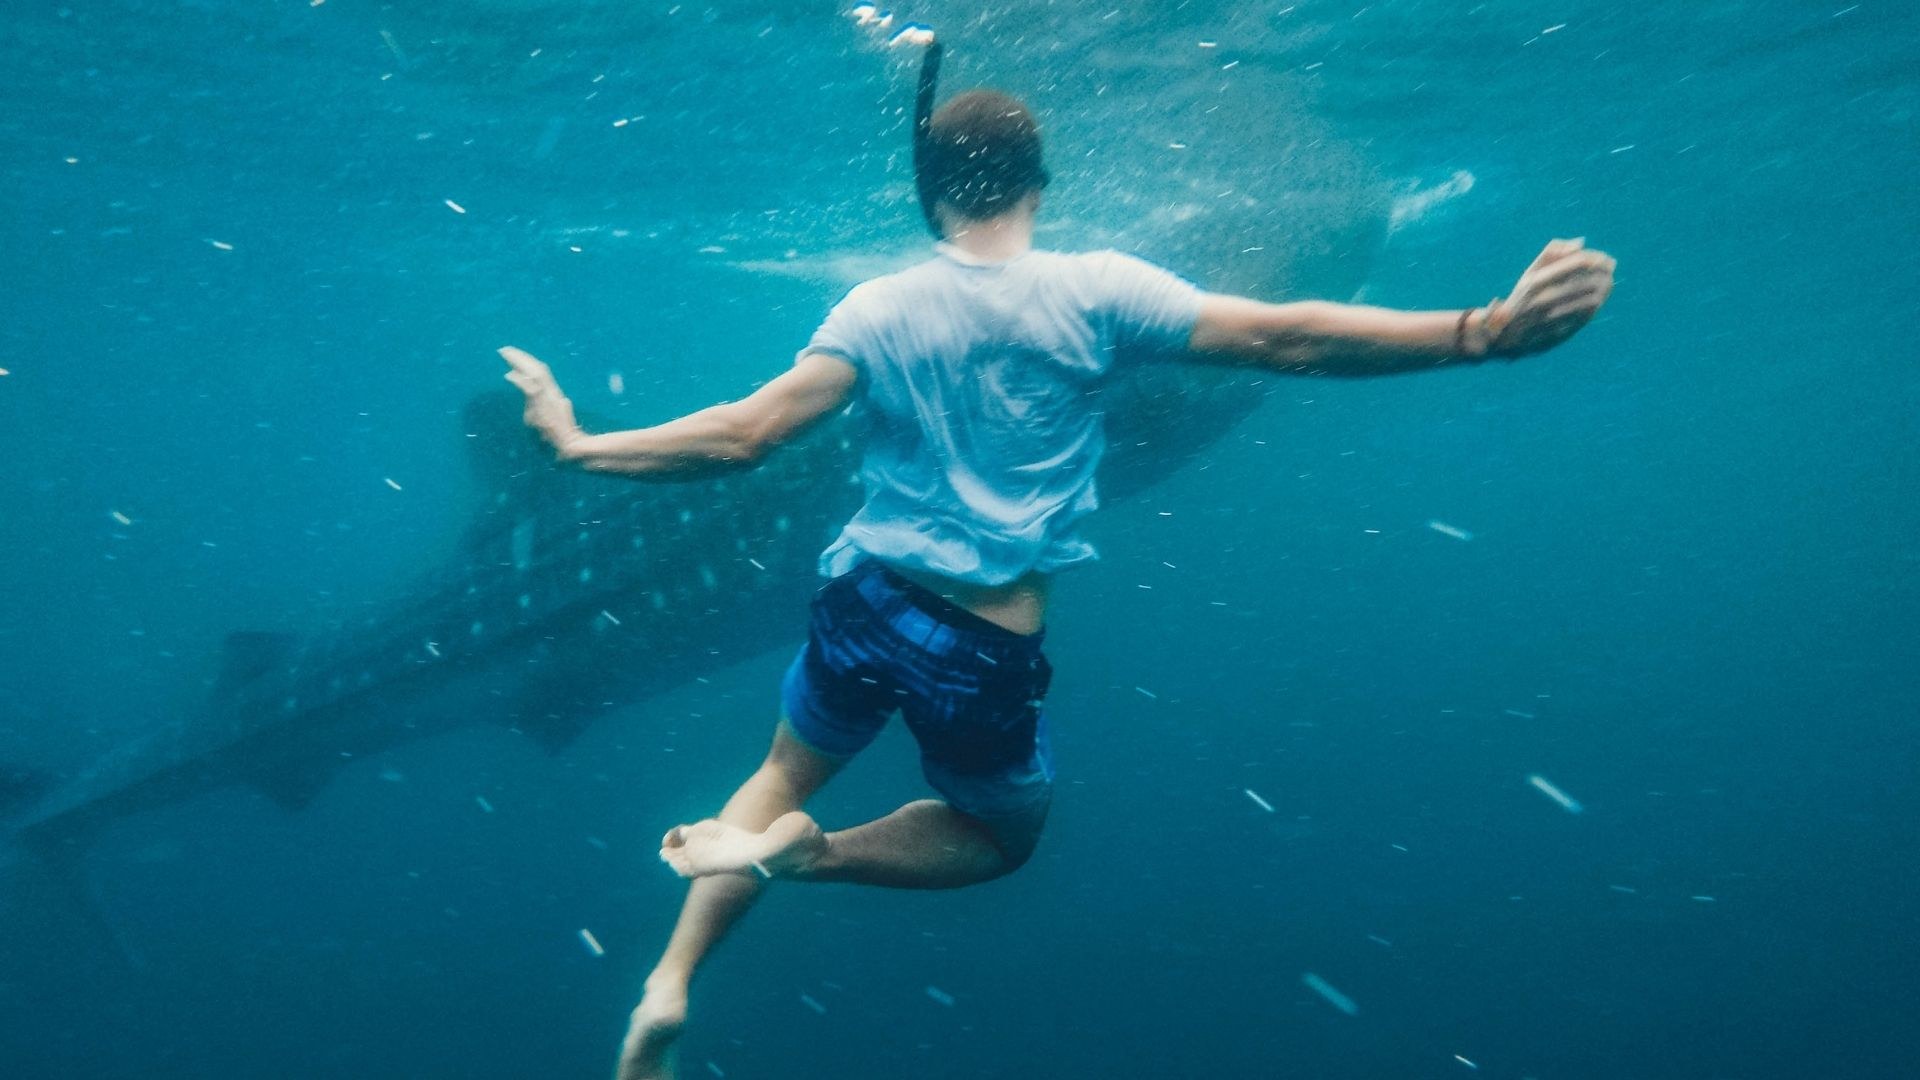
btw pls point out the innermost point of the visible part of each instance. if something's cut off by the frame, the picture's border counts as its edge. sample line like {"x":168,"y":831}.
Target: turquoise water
{"x":239,"y":304}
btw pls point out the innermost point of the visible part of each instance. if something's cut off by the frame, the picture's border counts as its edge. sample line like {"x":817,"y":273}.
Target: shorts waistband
{"x":931,"y":619}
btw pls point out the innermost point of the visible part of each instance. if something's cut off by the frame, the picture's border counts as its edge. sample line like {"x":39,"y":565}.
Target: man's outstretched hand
{"x":1557,"y":296}
{"x":548,"y":410}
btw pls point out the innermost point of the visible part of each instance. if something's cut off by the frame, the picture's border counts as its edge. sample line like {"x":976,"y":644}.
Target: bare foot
{"x":790,"y":845}
{"x":649,"y":1052}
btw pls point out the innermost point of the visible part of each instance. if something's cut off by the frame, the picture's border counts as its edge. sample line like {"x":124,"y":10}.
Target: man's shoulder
{"x":905,"y":278}
{"x":1108,"y":264}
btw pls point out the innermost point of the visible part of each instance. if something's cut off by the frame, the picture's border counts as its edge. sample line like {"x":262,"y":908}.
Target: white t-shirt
{"x":980,"y":383}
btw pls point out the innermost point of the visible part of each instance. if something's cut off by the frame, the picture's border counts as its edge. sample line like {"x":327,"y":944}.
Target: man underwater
{"x":978,"y":371}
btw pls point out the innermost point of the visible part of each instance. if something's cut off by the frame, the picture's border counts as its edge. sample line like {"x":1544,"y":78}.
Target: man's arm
{"x":731,"y":435}
{"x":1557,"y":295}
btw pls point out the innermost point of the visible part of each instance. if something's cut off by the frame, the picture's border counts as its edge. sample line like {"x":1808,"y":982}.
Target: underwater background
{"x":256,"y":259}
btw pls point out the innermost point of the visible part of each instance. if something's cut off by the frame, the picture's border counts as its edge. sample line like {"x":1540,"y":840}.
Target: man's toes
{"x":676,"y":837}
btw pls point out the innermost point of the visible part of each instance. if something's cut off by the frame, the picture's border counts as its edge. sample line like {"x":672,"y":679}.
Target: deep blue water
{"x":237,"y":303}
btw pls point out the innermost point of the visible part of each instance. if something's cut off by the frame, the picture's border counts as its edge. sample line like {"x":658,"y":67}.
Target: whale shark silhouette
{"x":572,"y":595}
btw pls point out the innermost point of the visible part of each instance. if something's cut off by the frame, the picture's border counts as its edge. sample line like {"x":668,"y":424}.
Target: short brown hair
{"x":983,"y":154}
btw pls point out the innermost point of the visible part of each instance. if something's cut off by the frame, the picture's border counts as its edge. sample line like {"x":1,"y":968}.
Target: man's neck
{"x":994,"y":239}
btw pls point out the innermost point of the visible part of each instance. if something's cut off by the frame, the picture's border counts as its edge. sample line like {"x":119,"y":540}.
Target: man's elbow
{"x":1295,"y":337}
{"x":748,"y":440}
{"x":748,"y":452}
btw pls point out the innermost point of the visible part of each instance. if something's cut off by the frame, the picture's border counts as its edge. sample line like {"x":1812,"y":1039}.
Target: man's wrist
{"x":1473,"y":334}
{"x":570,"y":445}
{"x":1493,"y":323}
{"x":1477,"y":335}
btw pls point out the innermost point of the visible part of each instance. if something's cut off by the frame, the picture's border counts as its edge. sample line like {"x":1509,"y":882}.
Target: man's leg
{"x":923,"y":845}
{"x":789,"y":776}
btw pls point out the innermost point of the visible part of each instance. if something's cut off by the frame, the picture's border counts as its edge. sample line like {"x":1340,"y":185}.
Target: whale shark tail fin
{"x":57,"y":867}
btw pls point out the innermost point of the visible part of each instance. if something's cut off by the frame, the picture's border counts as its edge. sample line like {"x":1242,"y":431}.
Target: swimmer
{"x":979,"y":366}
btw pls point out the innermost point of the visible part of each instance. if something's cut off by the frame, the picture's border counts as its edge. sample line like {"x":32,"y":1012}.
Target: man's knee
{"x":1015,"y":837}
{"x":1015,"y":854}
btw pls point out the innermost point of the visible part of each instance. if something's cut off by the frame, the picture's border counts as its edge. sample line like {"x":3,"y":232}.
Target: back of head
{"x":982,"y":154}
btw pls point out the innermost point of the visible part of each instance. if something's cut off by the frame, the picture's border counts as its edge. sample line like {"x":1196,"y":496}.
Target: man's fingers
{"x":1548,"y":255}
{"x":1595,"y":278}
{"x":1554,"y":252}
{"x":1580,"y":308}
{"x":521,"y":360}
{"x":1578,"y":289}
{"x":1557,"y":296}
{"x":1570,"y":265}
{"x":1558,"y":257}
{"x":1577,"y":274}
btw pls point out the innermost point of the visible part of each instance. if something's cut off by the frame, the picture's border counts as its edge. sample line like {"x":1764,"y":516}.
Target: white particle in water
{"x":1567,"y":802}
{"x":1334,"y":997}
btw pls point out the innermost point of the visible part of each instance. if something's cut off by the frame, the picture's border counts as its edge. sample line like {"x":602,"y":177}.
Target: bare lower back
{"x":1019,"y":606}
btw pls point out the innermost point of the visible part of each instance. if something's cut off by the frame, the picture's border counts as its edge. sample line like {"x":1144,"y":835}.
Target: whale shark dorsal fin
{"x":514,"y":471}
{"x":500,"y":449}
